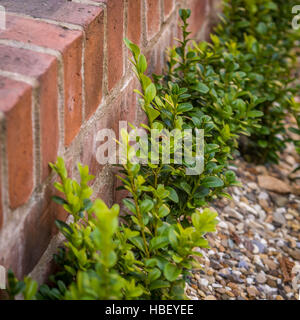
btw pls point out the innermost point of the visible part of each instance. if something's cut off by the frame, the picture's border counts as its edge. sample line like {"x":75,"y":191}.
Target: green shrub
{"x":173,"y":105}
{"x":264,"y":52}
{"x":242,"y":79}
{"x":146,"y":257}
{"x":215,"y":85}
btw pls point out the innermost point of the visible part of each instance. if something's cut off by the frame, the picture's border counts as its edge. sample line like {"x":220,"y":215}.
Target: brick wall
{"x":64,"y":74}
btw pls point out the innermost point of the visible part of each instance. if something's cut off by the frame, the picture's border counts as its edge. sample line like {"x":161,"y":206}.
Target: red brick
{"x":198,"y":8}
{"x":48,"y":119}
{"x":109,"y":119}
{"x":134,"y":28}
{"x":153,"y":18}
{"x":73,"y":91}
{"x":166,"y":41}
{"x":115,"y":11}
{"x":1,"y":208}
{"x":39,"y":227}
{"x":34,"y":31}
{"x":90,"y":18}
{"x":11,"y":258}
{"x":151,"y":60}
{"x":128,"y":105}
{"x":16,"y":106}
{"x":168,"y":7}
{"x":44,"y":68}
{"x":26,"y":248}
{"x":94,"y":65}
{"x":106,"y":192}
{"x":69,"y":43}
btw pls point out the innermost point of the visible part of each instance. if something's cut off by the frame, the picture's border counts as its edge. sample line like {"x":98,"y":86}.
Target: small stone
{"x":252,"y":291}
{"x":252,"y":185}
{"x":245,"y":200}
{"x":295,"y":254}
{"x":232,"y":285}
{"x":223,"y":225}
{"x":210,"y":297}
{"x":261,"y":277}
{"x":292,"y":243}
{"x":263,"y":196}
{"x":255,"y":249}
{"x":202,"y":294}
{"x":220,"y":290}
{"x":272,"y":283}
{"x":215,"y":264}
{"x":233,"y":213}
{"x":280,"y":201}
{"x":203,"y":282}
{"x":247,"y":208}
{"x":230,"y":294}
{"x":243,"y":264}
{"x":240,"y":226}
{"x":217,"y":285}
{"x":287,"y":289}
{"x":273,"y":184}
{"x":269,"y":226}
{"x":278,"y":217}
{"x":230,"y":244}
{"x":248,"y":245}
{"x":234,"y":278}
{"x":210,"y":272}
{"x":296,"y":190}
{"x":271,"y":264}
{"x":290,"y":160}
{"x":265,"y":205}
{"x":280,"y":243}
{"x":221,"y":248}
{"x":260,"y":246}
{"x":257,"y":261}
{"x":268,"y":290}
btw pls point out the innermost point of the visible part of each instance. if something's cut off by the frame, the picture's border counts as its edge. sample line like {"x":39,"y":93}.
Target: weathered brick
{"x":108,"y":119}
{"x":123,"y":108}
{"x":73,"y":92}
{"x":11,"y":258}
{"x":115,"y":10}
{"x":153,"y":18}
{"x":94,"y":65}
{"x":198,"y":8}
{"x":90,"y":18}
{"x":69,"y":44}
{"x":44,"y":68}
{"x":168,"y":7}
{"x":1,"y":208}
{"x":134,"y":17}
{"x":128,"y":104}
{"x":106,"y":190}
{"x":16,"y":106}
{"x":39,"y":227}
{"x":23,"y":252}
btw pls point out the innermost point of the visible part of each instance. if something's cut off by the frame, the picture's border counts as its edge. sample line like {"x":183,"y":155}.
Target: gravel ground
{"x":255,"y":253}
